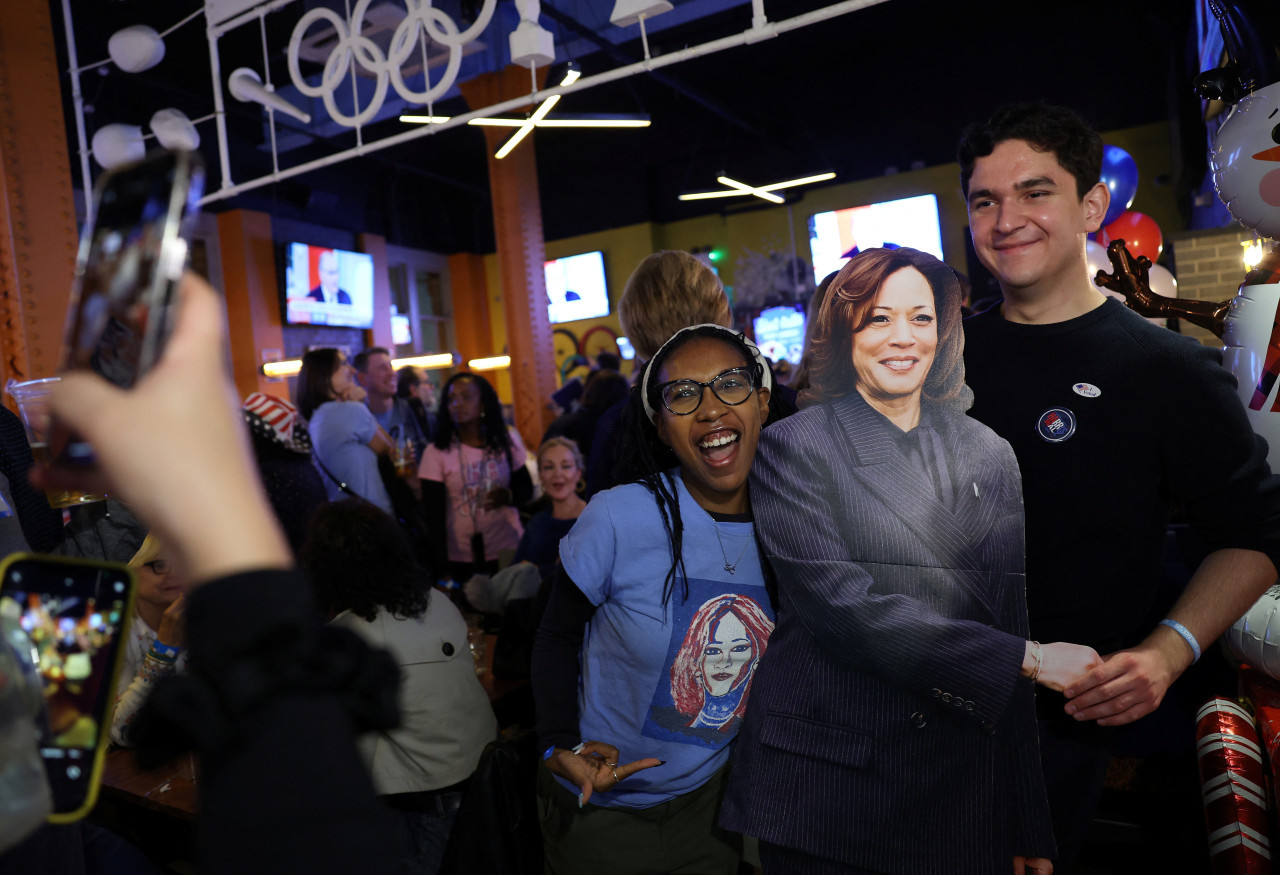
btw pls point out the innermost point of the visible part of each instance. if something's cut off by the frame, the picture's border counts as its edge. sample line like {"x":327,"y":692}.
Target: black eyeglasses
{"x":159,"y":566}
{"x":683,"y":397}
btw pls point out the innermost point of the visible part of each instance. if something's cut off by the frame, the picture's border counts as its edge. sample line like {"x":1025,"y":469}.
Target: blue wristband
{"x":1186,"y":636}
{"x":164,"y":652}
{"x":546,"y":754}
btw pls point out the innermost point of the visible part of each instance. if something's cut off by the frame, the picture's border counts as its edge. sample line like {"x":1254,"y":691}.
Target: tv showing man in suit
{"x":328,"y":290}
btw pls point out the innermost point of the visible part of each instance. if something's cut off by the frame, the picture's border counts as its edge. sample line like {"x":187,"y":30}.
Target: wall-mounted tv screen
{"x":576,"y":288}
{"x":779,"y":332}
{"x":836,"y":236}
{"x":325,"y":286}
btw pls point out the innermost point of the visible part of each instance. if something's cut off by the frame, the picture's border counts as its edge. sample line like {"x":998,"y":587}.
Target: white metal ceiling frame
{"x":761,"y":29}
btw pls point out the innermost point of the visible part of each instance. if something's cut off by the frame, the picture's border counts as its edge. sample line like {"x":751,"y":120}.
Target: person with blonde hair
{"x":562,"y":473}
{"x":667,"y":291}
{"x":156,"y":645}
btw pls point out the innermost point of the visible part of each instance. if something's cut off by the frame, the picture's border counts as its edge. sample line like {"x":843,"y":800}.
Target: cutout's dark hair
{"x":491,"y":421}
{"x":358,"y":559}
{"x":643,"y":458}
{"x":1064,"y":132}
{"x":315,"y":380}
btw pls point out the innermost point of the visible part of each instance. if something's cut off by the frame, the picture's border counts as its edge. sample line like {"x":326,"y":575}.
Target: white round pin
{"x":1088,"y":390}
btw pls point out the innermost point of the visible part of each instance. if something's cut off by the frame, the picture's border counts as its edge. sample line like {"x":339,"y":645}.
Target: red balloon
{"x":1140,"y":233}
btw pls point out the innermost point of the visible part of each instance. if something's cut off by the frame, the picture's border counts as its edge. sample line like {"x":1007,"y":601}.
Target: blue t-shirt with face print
{"x":671,"y":680}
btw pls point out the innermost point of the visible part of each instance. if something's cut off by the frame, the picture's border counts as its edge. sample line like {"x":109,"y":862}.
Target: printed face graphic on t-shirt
{"x":716,"y":644}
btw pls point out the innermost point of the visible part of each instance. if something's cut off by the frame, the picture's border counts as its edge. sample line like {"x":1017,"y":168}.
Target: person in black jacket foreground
{"x":271,"y":703}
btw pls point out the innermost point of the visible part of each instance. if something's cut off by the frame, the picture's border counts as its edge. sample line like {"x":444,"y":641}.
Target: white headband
{"x":766,"y":381}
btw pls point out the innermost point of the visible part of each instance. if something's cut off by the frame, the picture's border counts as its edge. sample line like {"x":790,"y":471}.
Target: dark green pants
{"x":680,"y":836}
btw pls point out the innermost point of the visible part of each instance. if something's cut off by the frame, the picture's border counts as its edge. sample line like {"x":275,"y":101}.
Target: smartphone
{"x":71,"y":623}
{"x":132,"y":254}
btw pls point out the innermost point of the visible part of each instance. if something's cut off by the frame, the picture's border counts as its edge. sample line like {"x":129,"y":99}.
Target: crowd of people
{"x":888,"y":623}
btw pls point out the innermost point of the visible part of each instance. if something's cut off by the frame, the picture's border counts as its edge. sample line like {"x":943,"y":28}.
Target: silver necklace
{"x":731,"y":567}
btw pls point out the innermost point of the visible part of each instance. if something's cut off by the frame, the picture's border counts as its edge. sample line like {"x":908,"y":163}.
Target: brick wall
{"x":1209,"y":266}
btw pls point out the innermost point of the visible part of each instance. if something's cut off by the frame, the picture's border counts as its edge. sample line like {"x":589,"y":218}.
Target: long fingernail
{"x":580,"y":801}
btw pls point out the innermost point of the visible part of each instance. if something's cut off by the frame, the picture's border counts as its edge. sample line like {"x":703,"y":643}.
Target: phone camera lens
{"x":73,"y":772}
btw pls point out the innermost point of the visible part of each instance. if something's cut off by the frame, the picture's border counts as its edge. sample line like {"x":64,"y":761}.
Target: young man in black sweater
{"x":1114,"y":422}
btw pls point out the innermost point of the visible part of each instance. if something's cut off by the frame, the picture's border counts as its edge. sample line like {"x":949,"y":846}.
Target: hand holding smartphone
{"x":132,"y":254}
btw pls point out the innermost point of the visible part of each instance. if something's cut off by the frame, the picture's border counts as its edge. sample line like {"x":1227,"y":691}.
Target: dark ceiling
{"x":881,"y":87}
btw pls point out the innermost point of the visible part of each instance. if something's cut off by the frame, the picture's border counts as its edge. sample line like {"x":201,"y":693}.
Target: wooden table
{"x":170,"y":789}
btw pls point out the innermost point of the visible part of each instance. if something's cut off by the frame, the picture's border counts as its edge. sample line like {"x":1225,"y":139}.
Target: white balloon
{"x":1096,"y":256}
{"x":136,"y":48}
{"x":1255,"y":637}
{"x":174,"y":130}
{"x":117,"y":144}
{"x":1162,"y":281}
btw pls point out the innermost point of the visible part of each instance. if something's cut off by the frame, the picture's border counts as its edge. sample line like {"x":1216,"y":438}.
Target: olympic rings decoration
{"x":352,"y":47}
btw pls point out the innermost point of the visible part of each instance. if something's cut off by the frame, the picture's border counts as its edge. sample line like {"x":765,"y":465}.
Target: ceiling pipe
{"x":730,"y":42}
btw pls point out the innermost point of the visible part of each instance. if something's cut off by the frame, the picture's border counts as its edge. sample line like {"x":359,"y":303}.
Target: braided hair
{"x":643,"y":458}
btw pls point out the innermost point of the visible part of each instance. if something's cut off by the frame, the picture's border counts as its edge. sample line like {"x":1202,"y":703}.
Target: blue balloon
{"x":1120,"y":176}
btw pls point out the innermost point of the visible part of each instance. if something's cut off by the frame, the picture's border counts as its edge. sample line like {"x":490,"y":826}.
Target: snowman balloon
{"x":1245,"y":159}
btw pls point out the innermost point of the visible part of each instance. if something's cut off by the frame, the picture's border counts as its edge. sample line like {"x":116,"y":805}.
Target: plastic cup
{"x":32,"y":397}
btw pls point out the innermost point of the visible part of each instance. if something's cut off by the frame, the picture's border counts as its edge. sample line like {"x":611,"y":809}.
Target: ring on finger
{"x":616,"y":779}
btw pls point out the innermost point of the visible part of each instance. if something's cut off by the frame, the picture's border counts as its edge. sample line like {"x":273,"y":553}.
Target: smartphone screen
{"x":131,"y":257}
{"x":71,"y":620}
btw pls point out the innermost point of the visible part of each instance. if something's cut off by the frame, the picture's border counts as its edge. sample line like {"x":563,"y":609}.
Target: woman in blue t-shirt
{"x":656,"y":624}
{"x":345,"y":438}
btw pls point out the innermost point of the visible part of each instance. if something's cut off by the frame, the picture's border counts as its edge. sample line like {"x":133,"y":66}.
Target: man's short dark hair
{"x":1056,"y":129}
{"x":361,"y":361}
{"x":608,"y":361}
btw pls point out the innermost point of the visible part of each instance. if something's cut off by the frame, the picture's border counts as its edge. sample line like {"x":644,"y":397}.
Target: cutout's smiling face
{"x":893,"y":351}
{"x":717,"y":442}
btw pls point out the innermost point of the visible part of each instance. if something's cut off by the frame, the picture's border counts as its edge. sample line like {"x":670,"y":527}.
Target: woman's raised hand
{"x":176,"y":449}
{"x":173,"y":625}
{"x":594,"y":767}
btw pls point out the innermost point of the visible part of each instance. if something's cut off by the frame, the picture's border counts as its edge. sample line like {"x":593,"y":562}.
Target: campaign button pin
{"x":1088,"y":390}
{"x":1056,"y":424}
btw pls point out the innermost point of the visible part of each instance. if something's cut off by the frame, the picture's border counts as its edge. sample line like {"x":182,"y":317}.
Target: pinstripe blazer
{"x":888,"y":726}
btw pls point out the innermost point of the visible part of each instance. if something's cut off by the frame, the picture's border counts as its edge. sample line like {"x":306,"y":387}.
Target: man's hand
{"x":595,"y":768}
{"x":1032,"y":866}
{"x":1130,"y":684}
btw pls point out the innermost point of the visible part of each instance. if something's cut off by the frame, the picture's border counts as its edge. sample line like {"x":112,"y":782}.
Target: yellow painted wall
{"x":770,"y":228}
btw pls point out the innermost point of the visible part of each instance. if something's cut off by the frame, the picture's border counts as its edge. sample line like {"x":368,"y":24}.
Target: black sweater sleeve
{"x":556,"y":669}
{"x":287,"y":790}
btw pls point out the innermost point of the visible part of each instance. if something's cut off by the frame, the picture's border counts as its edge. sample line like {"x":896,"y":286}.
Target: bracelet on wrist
{"x":1186,"y":636}
{"x":1037,"y":656}
{"x":163,"y":652}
